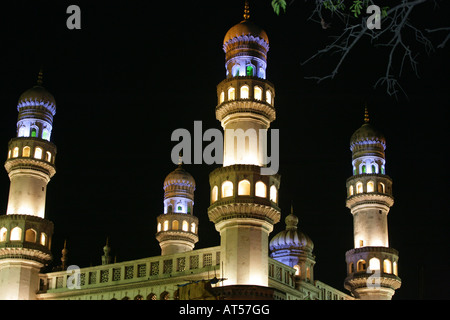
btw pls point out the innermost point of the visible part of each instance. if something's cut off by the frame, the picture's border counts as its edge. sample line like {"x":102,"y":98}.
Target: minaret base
{"x":19,"y":279}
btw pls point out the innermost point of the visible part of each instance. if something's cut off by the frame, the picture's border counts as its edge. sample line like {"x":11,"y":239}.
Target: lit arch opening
{"x":260,"y":189}
{"x":244,"y":188}
{"x":227,"y":189}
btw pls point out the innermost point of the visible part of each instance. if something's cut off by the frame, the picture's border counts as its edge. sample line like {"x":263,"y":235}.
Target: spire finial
{"x":40,"y":77}
{"x":366,"y":115}
{"x":246,"y":10}
{"x":292,"y":208}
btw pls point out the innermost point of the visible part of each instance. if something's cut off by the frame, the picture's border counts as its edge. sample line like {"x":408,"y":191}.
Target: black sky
{"x":138,"y":70}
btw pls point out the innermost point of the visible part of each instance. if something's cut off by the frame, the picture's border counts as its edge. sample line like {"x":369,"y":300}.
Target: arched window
{"x":222,"y":97}
{"x":359,"y":187}
{"x":16,"y":234}
{"x":26,"y":151}
{"x":15,"y":152}
{"x":33,"y":132}
{"x":158,"y":229}
{"x":48,"y":156}
{"x":244,"y":188}
{"x":179,"y":208}
{"x":185,"y":226}
{"x":262,"y":73}
{"x":395,"y":268}
{"x":151,"y":296}
{"x":260,"y":189}
{"x":214,"y":194}
{"x":3,"y":234}
{"x":297,"y":270}
{"x":269,"y":97}
{"x":350,"y":190}
{"x":308,"y":273}
{"x":374,"y":264}
{"x":9,"y":154}
{"x":363,"y":168}
{"x":374,"y":169}
{"x":244,"y":92}
{"x":273,"y":193}
{"x":164,"y":296}
{"x":351,"y":267}
{"x":175,"y":225}
{"x":236,"y":71}
{"x":387,"y":266}
{"x":46,"y":135}
{"x":30,"y":235}
{"x":361,"y":265}
{"x":166,"y":225}
{"x":354,"y":170}
{"x":381,"y":187}
{"x":370,"y":187}
{"x":227,"y":189}
{"x":257,"y":93}
{"x":193,"y":227}
{"x":382,"y":169}
{"x":249,"y":70}
{"x":38,"y":153}
{"x":231,"y":94}
{"x":43,"y":240}
{"x":169,"y":208}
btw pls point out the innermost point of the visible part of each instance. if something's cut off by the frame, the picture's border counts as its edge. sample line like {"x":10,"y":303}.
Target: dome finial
{"x":366,"y":115}
{"x":40,"y":77}
{"x":246,"y":10}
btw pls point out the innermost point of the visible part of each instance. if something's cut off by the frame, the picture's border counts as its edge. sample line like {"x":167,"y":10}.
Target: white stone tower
{"x":177,"y":227}
{"x":25,"y":234}
{"x":244,"y":202}
{"x":372,"y":266}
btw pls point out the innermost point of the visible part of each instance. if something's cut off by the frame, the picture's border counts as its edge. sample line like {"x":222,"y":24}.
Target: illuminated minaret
{"x":177,"y":227}
{"x":372,"y":266}
{"x":25,"y":234}
{"x":244,"y":202}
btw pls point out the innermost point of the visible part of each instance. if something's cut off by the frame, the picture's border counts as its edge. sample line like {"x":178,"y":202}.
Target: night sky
{"x":138,"y":70}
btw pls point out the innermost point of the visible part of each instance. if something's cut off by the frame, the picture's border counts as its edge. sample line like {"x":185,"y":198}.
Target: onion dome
{"x":37,"y":96}
{"x":367,"y":134}
{"x":179,"y":177}
{"x":246,"y":28}
{"x":291,"y":238}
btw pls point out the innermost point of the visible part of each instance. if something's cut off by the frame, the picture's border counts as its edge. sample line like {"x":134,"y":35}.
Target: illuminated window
{"x":381,"y":187}
{"x":257,"y":93}
{"x":273,"y":193}
{"x":222,"y":97}
{"x":351,"y":268}
{"x":297,"y":270}
{"x":354,"y":170}
{"x":193,"y":227}
{"x":166,"y":225}
{"x":374,"y":169}
{"x":3,"y":234}
{"x":179,"y":208}
{"x":359,"y":187}
{"x":395,"y":268}
{"x":363,"y":169}
{"x":370,"y":187}
{"x":308,"y":273}
{"x":387,"y":266}
{"x":16,"y":234}
{"x":244,"y":92}
{"x":33,"y":132}
{"x":169,"y":209}
{"x":382,"y":169}
{"x":45,"y":135}
{"x":260,"y":189}
{"x":374,"y":264}
{"x":231,"y":94}
{"x":227,"y":189}
{"x":48,"y":156}
{"x":350,"y":190}
{"x":249,"y":70}
{"x":26,"y":151}
{"x":185,"y":226}
{"x":30,"y":235}
{"x":15,"y":152}
{"x":361,"y":265}
{"x":361,"y":243}
{"x":214,"y":194}
{"x":262,"y":73}
{"x":159,"y":227}
{"x":244,"y":188}
{"x":9,"y":154}
{"x":175,"y":225}
{"x":269,"y":97}
{"x":236,"y":71}
{"x":38,"y":153}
